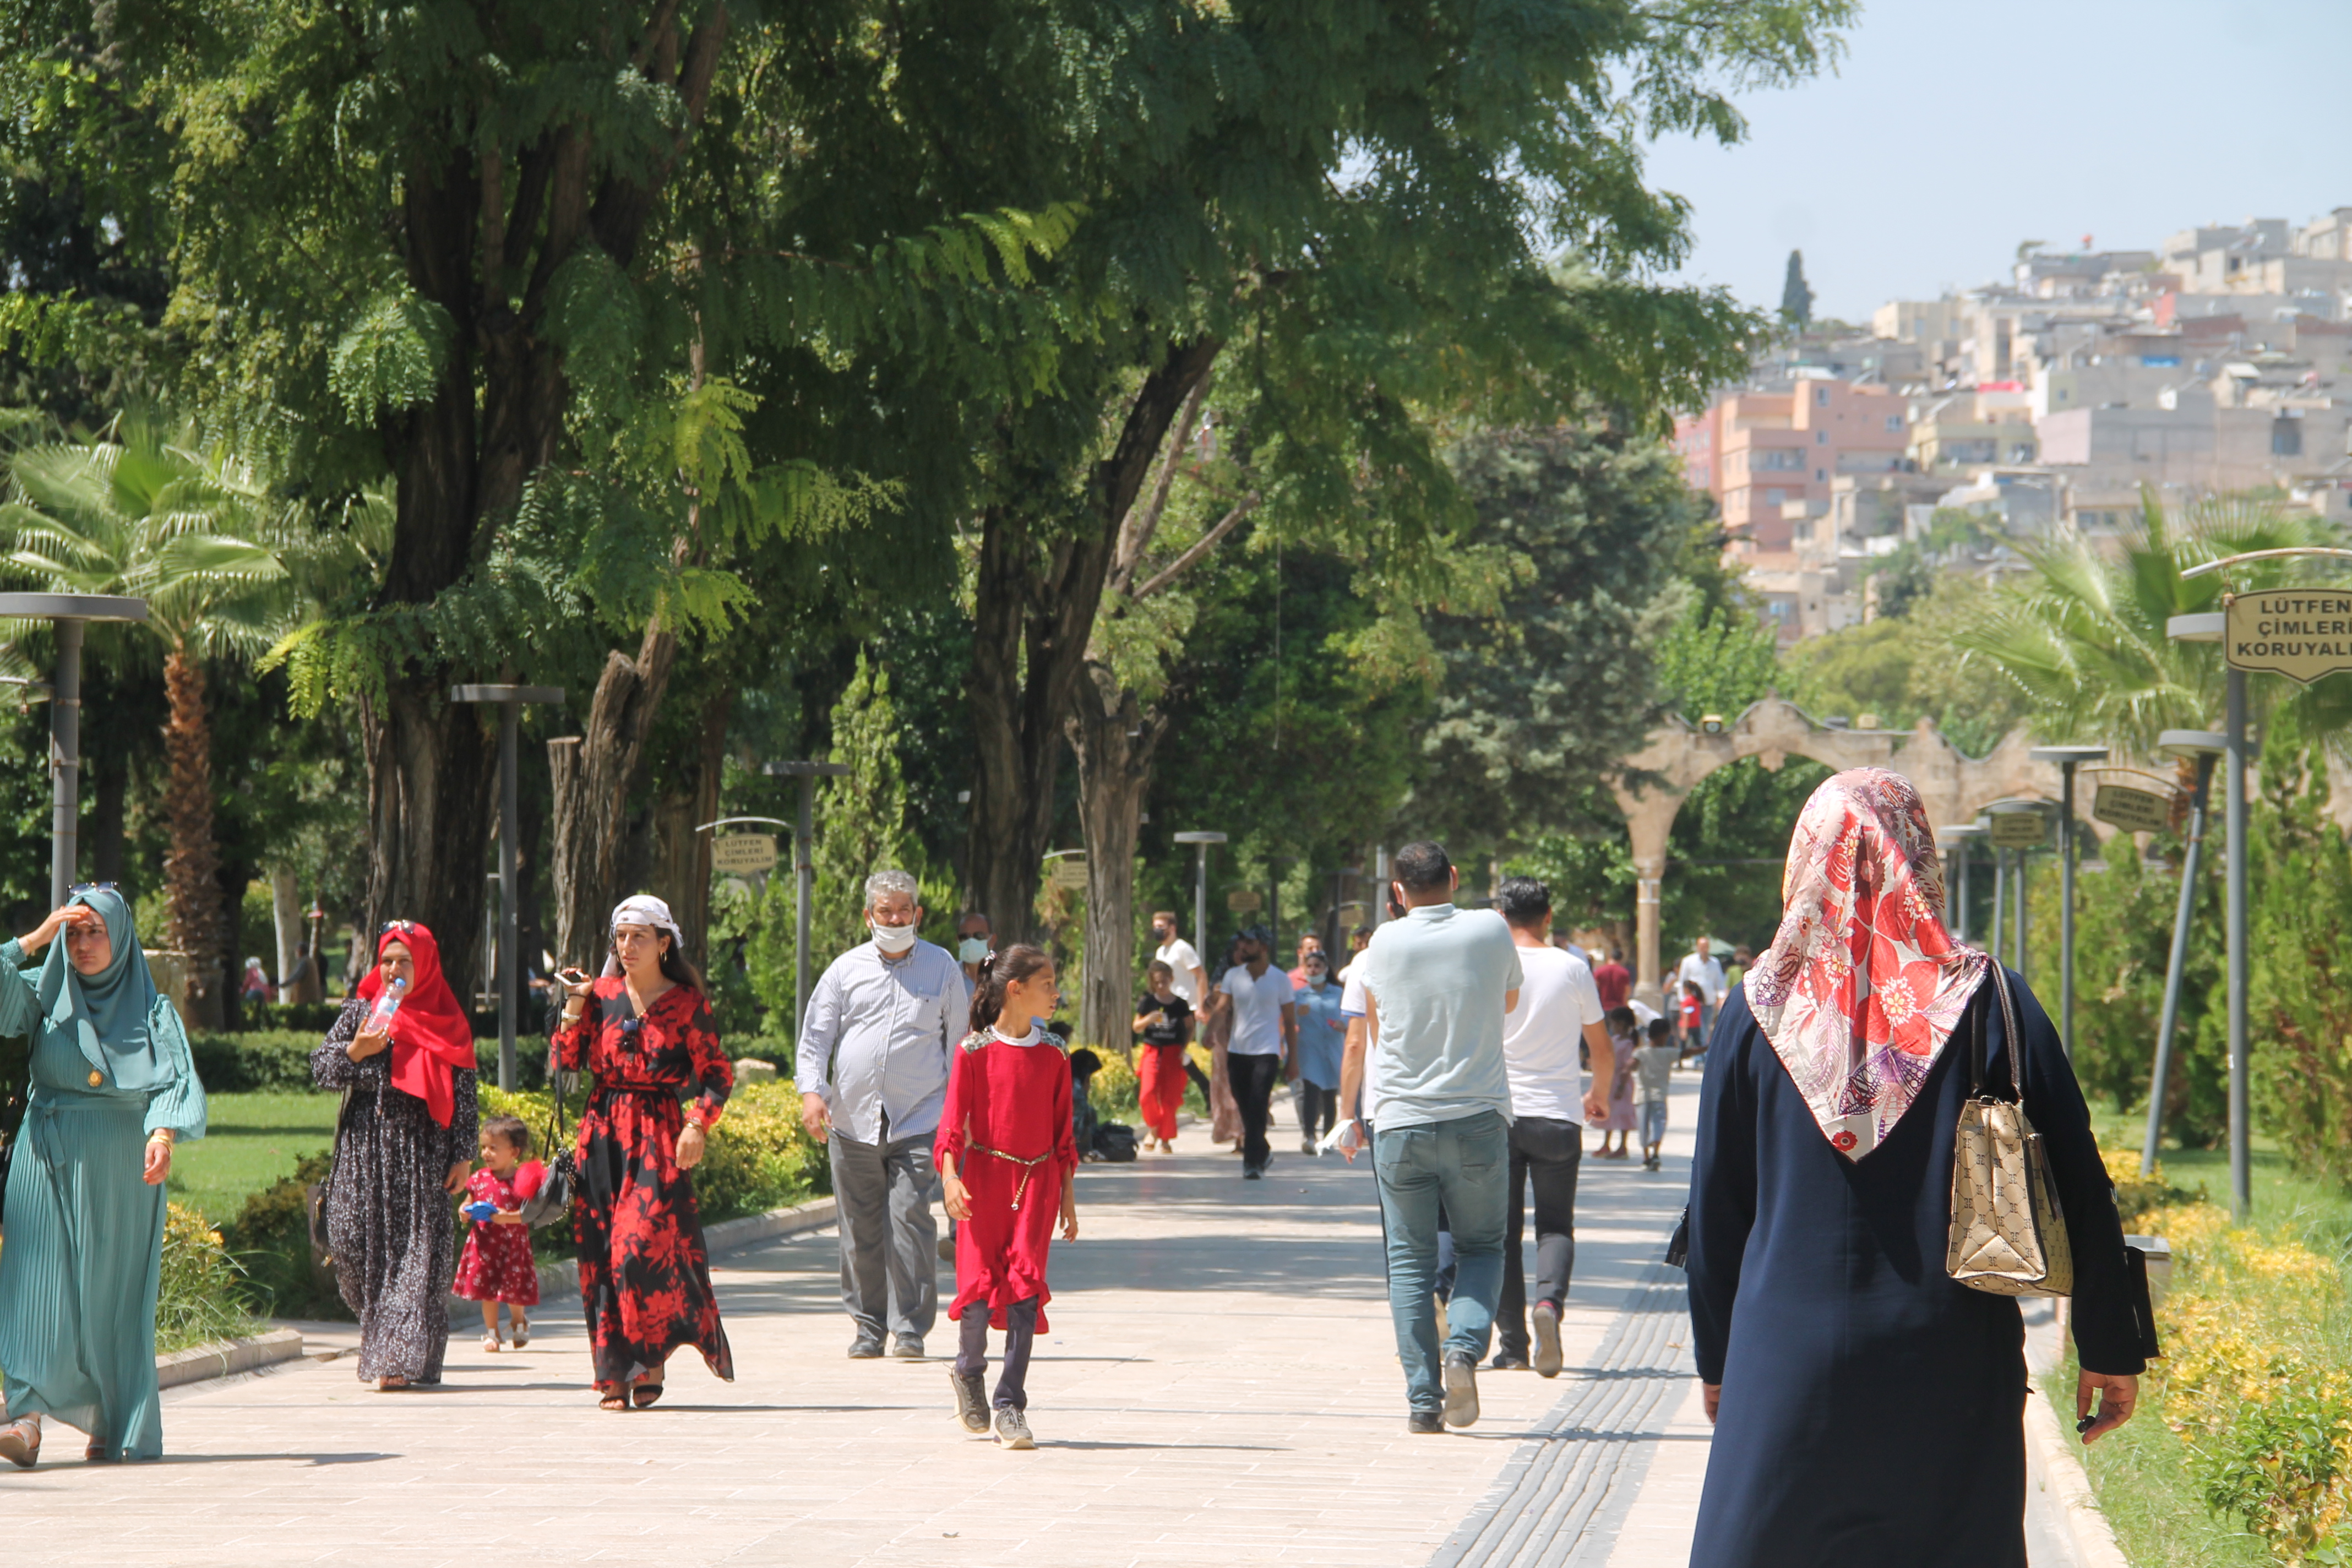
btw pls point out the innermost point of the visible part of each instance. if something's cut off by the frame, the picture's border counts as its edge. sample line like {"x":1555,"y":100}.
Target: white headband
{"x":644,"y":910}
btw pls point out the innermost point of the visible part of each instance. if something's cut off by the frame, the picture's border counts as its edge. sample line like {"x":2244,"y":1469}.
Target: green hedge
{"x":759,"y":1158}
{"x":270,"y":1240}
{"x":262,"y":1060}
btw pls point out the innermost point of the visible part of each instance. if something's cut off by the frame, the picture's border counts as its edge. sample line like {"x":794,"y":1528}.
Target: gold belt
{"x":1028,"y":1167}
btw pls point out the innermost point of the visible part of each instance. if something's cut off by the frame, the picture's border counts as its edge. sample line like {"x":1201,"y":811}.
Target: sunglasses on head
{"x":91,"y":888}
{"x":402,"y":926}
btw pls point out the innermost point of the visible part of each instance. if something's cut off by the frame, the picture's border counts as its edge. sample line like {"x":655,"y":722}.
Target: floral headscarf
{"x":1863,"y":984}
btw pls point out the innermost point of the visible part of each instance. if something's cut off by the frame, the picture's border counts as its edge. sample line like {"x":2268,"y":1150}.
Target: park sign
{"x":1245,"y":902}
{"x":2025,"y":830}
{"x":1069,"y":873}
{"x":743,"y":854}
{"x":2299,"y":633}
{"x":2133,"y":810}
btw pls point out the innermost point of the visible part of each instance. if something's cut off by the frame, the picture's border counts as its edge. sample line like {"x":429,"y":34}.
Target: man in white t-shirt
{"x":1192,"y":981}
{"x":1558,"y":1010}
{"x":1707,"y":971}
{"x":1264,"y":1032}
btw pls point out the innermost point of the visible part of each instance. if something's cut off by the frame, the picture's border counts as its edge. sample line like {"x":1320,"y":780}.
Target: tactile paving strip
{"x":1559,"y":1499}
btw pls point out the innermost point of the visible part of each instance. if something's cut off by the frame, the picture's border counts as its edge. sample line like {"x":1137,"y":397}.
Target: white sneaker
{"x":1012,"y":1429}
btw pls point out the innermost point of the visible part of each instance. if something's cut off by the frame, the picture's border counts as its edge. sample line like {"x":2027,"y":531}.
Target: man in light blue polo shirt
{"x":1437,"y":981}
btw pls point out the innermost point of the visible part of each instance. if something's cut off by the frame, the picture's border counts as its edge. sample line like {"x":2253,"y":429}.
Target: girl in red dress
{"x":496,"y":1265}
{"x":1008,"y":1159}
{"x":643,"y":1029}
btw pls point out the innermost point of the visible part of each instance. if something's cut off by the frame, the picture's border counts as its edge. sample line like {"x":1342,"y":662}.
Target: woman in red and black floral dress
{"x":643,"y":1030}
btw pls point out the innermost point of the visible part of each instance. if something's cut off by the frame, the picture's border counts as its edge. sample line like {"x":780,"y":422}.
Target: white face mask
{"x":971,"y":950}
{"x":892,"y":939}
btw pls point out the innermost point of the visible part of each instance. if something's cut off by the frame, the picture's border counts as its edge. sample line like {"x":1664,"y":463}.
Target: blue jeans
{"x":1463,"y":1165}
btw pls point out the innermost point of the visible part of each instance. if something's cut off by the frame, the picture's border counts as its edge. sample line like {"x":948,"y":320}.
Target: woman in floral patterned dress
{"x":404,"y":1147}
{"x":643,"y":1030}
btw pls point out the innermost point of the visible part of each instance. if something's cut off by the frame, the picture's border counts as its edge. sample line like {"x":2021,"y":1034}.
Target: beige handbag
{"x":2009,"y":1237}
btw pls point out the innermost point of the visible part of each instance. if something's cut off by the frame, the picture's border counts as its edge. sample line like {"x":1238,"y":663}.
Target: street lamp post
{"x":70,"y":614}
{"x":803,"y":868}
{"x":1959,"y":838}
{"x":2000,"y":899}
{"x":2203,"y":746}
{"x":2068,"y":759}
{"x":2208,"y":627}
{"x":510,"y":700}
{"x":1201,"y":842}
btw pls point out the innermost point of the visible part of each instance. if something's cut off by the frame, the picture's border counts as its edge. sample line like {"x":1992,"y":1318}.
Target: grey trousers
{"x":890,"y":1242}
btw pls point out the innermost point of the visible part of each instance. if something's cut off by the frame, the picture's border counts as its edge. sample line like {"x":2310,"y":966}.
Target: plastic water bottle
{"x":386,"y":1006}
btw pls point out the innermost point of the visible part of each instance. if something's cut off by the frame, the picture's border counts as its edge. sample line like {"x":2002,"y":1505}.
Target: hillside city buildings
{"x":2219,"y":361}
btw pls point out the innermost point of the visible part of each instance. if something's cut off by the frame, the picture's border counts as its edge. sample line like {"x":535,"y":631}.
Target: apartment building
{"x":1759,"y":451}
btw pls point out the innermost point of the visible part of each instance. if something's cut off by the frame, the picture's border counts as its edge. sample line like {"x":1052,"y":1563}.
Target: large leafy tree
{"x":519,"y":264}
{"x":1351,"y":213}
{"x":1540,"y":699}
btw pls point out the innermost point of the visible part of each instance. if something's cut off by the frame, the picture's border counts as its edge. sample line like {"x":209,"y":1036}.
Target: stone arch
{"x":1656,"y":780}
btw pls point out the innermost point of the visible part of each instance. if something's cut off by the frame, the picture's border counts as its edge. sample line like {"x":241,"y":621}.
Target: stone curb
{"x":2052,"y":1464}
{"x":559,"y":1280}
{"x":227,"y":1358}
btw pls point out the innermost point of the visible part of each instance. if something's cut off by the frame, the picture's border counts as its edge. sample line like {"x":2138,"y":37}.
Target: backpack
{"x":1115,"y":1141}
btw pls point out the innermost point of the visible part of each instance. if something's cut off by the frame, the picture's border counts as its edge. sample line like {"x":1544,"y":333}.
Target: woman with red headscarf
{"x":1868,"y":1407}
{"x":404,"y":1146}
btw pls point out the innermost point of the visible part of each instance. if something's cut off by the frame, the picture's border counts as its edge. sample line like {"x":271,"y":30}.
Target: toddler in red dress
{"x":496,"y":1265}
{"x":1008,"y":1158}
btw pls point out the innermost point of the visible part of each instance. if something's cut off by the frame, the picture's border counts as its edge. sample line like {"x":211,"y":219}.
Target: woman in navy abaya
{"x":1867,"y":1408}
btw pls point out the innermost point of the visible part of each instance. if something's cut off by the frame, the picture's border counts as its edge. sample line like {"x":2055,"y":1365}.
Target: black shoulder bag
{"x":551,"y":1205}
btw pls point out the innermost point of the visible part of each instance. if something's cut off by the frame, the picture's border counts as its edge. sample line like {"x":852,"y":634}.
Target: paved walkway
{"x":1219,"y":1387}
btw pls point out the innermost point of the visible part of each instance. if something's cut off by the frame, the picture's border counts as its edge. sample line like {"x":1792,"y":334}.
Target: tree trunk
{"x":463,"y":458}
{"x":286,"y":918}
{"x":1115,"y":742}
{"x":430,"y":773}
{"x":191,"y":866}
{"x":110,"y":791}
{"x":594,"y":772}
{"x":1033,"y":617}
{"x":684,"y":876}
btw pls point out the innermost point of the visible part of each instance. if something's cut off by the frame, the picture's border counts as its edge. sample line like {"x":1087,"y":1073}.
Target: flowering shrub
{"x":203,"y":1297}
{"x":2254,"y":1381}
{"x":760,"y":1157}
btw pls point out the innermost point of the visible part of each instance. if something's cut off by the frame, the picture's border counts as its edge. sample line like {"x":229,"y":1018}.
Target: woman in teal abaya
{"x":113,"y":1087}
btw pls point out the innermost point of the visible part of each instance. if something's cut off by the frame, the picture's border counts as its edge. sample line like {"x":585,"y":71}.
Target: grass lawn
{"x":2141,"y":1472}
{"x":253,"y":1140}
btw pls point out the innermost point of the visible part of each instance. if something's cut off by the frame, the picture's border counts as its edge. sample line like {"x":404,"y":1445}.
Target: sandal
{"x":20,"y":1442}
{"x":98,"y":1454}
{"x":645,"y":1393}
{"x":492,"y":1344}
{"x":612,"y":1399}
{"x":522,"y":1332}
{"x":392,"y":1385}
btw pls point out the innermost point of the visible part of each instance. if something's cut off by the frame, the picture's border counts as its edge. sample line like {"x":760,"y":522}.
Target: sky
{"x":1951,"y":131}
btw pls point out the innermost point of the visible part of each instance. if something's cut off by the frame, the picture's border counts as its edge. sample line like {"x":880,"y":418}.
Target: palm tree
{"x":2082,"y":634}
{"x":140,"y":513}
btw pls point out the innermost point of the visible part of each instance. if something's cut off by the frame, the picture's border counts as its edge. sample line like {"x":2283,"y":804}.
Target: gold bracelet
{"x":163,"y":1135}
